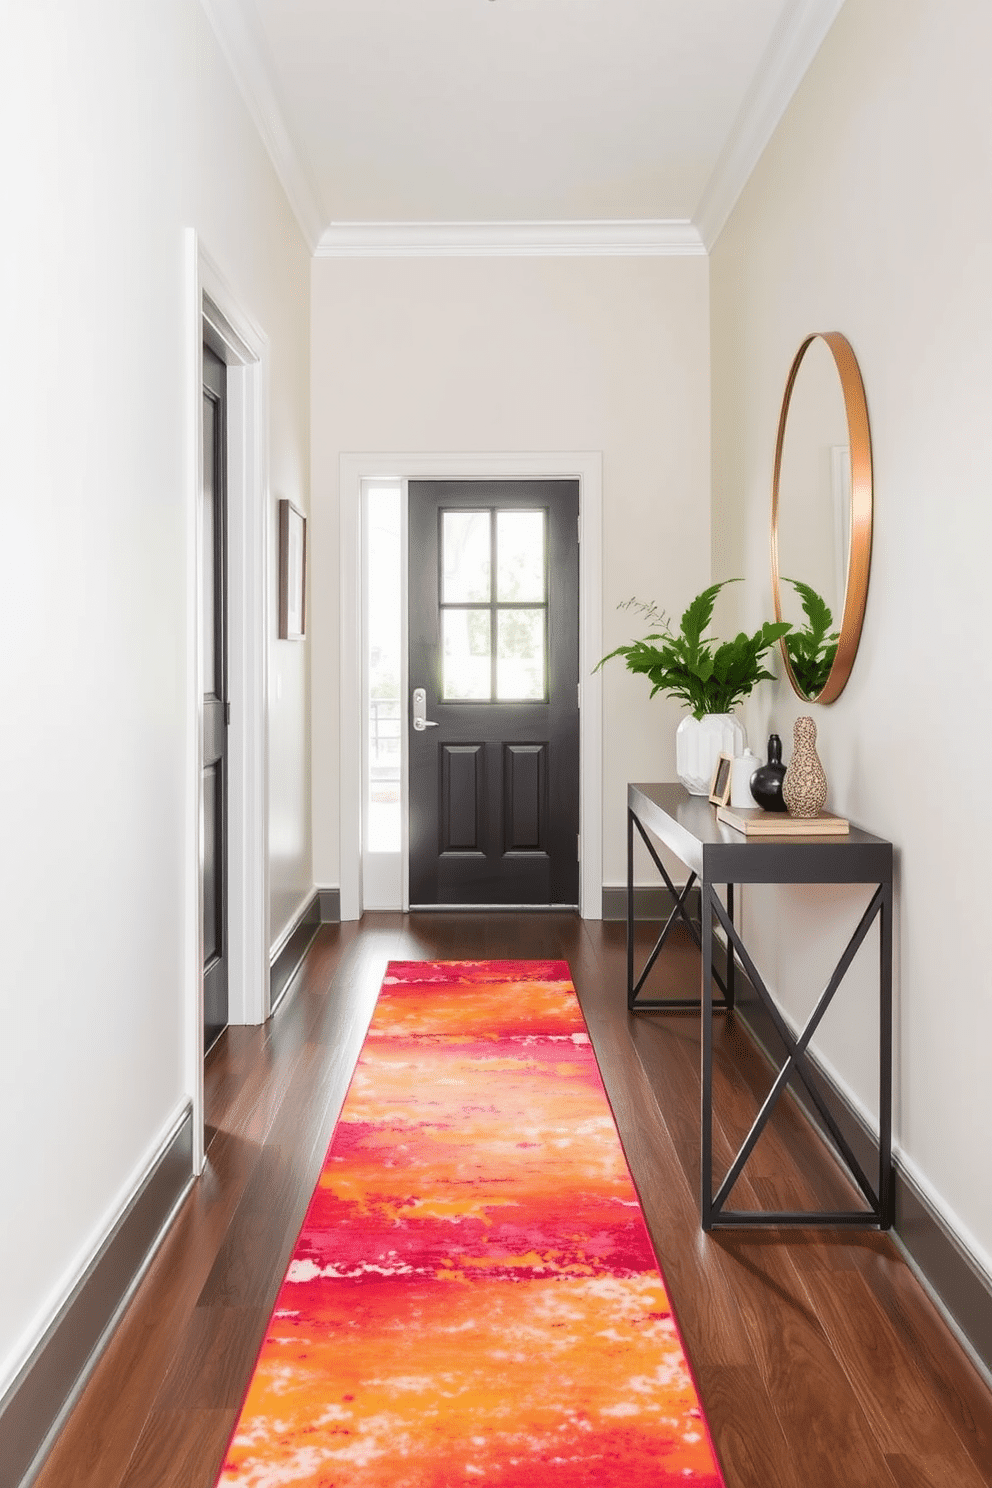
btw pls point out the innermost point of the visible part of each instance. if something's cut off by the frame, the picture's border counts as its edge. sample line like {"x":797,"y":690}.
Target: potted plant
{"x":710,"y":678}
{"x":811,"y":651}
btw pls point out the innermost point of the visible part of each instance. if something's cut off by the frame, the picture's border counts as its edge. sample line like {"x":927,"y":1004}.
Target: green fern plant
{"x":811,"y":651}
{"x":707,"y":676}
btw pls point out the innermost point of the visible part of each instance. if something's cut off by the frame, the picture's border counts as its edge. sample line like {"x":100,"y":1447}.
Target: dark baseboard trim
{"x":946,"y":1268}
{"x":35,"y":1406}
{"x":330,"y":906}
{"x":651,"y":902}
{"x":949,"y":1272}
{"x":286,"y":962}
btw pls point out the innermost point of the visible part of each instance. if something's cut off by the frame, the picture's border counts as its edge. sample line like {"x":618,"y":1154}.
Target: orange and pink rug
{"x":473,"y":1297}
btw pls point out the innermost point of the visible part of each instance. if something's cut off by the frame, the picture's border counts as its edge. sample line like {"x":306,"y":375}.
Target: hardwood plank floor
{"x":819,"y":1358}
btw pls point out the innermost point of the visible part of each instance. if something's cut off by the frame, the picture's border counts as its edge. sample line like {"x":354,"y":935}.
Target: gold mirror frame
{"x":859,"y":552}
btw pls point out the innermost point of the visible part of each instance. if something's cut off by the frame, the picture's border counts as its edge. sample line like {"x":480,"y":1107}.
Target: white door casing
{"x":587,"y":468}
{"x":215,"y":315}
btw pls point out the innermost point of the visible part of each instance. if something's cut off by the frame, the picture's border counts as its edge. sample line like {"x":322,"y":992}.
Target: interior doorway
{"x":215,"y":706}
{"x":220,"y":327}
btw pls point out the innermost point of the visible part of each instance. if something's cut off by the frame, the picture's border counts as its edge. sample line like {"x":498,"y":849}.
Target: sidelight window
{"x":383,"y":668}
{"x":494,"y":606}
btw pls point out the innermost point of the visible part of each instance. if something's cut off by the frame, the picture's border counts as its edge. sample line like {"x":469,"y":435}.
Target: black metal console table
{"x":715,"y":854}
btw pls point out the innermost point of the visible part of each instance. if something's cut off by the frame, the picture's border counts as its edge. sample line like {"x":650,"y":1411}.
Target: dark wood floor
{"x":819,"y":1358}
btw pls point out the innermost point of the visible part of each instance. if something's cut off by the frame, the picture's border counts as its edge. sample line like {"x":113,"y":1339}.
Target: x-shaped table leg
{"x":713,"y":1211}
{"x":679,"y":911}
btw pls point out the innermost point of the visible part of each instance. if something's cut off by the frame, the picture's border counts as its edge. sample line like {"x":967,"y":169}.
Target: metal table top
{"x":716,"y":853}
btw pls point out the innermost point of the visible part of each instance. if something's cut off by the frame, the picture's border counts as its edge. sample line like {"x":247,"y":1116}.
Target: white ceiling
{"x":531,"y":120}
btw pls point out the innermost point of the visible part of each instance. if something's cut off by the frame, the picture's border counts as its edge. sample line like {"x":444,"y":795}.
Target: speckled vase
{"x":804,"y":789}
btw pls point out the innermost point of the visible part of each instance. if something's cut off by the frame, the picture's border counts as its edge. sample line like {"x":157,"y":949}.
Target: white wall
{"x":870,"y":214}
{"x":505,"y":355}
{"x":120,"y":128}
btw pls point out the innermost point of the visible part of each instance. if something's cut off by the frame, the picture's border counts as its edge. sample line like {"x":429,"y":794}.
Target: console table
{"x":717,"y":855}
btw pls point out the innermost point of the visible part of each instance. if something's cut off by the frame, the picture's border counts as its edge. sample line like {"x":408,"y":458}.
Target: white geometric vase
{"x":698,"y":742}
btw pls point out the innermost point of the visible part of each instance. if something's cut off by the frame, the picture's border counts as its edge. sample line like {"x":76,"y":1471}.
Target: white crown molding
{"x":794,"y":44}
{"x":242,"y":48}
{"x":601,"y":239}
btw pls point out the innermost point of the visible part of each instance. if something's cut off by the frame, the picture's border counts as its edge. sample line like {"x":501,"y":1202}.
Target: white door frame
{"x":215,"y":315}
{"x":587,"y":468}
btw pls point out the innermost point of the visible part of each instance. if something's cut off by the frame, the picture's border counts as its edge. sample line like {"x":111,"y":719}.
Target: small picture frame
{"x":292,"y":573}
{"x":720,"y":784}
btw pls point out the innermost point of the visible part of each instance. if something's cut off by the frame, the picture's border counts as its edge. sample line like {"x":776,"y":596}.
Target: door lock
{"x":420,"y":721}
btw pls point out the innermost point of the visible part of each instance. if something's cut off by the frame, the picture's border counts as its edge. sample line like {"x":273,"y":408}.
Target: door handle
{"x":420,"y":721}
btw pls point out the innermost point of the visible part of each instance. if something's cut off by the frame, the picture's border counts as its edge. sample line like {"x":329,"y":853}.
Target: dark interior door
{"x":494,"y":647}
{"x":213,"y":518}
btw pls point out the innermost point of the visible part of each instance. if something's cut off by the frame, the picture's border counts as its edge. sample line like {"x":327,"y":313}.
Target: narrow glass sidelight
{"x":383,"y":825}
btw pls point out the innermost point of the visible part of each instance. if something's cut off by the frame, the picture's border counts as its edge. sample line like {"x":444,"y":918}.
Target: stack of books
{"x":755,"y":822}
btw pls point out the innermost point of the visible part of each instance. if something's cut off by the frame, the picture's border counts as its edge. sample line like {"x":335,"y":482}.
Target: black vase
{"x":766,"y":782}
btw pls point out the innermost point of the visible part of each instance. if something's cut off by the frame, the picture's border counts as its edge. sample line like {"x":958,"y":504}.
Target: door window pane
{"x":466,"y":561}
{"x":467,"y":650}
{"x":520,"y":667}
{"x":520,"y":556}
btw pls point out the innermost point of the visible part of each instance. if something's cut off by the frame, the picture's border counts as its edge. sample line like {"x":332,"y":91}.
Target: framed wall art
{"x":292,"y":572}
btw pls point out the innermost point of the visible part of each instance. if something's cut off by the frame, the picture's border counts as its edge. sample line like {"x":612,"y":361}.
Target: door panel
{"x":213,"y":529}
{"x":524,"y":797}
{"x":213,"y":920}
{"x":462,"y":801}
{"x":494,"y":776}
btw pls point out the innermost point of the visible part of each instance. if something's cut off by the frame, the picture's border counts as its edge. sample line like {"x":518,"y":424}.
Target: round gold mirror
{"x":821,"y":516}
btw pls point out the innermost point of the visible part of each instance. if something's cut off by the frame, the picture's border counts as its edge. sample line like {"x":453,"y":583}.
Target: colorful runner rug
{"x":473,"y":1297}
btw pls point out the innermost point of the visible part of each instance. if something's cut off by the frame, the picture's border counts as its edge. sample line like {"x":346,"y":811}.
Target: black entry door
{"x":213,"y":519}
{"x":494,"y":650}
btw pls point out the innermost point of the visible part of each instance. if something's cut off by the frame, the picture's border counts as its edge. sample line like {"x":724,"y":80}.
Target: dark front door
{"x":494,"y":671}
{"x":213,"y":518}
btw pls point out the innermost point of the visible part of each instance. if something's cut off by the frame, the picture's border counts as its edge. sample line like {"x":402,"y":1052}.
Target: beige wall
{"x":870,"y":213}
{"x":503,"y":355}
{"x":120,"y":128}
